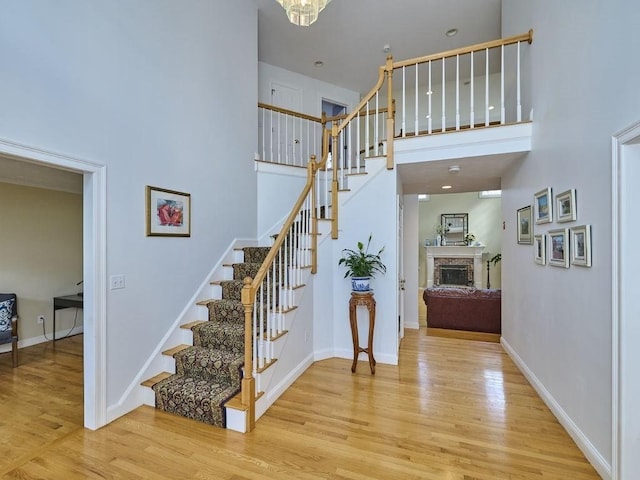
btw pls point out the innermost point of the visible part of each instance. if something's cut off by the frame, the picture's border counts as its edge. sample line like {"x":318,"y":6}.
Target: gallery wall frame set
{"x":560,"y":247}
{"x":168,"y":213}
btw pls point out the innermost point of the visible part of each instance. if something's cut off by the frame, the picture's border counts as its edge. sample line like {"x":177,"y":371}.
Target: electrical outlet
{"x":116,"y":282}
{"x":40,"y":319}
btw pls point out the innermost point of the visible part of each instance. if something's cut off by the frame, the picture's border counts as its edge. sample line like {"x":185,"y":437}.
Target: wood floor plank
{"x":452,"y":409}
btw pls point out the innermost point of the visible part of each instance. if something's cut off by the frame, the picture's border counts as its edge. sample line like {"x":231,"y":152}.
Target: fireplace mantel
{"x":455,"y":252}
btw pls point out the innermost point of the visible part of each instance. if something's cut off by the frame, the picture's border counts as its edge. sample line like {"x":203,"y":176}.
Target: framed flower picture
{"x":581,"y":245}
{"x":525,"y":233}
{"x":540,"y":249}
{"x":543,"y":206}
{"x":566,"y":206}
{"x":168,"y":213}
{"x":559,"y":247}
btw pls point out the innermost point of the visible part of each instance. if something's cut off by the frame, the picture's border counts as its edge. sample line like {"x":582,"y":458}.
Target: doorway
{"x":94,"y":266}
{"x":625,"y":305}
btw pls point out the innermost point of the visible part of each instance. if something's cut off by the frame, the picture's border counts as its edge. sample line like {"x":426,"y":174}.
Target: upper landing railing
{"x":469,"y":87}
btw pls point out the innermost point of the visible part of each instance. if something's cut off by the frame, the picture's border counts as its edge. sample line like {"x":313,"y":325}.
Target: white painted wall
{"x":583,"y":88}
{"x":371,"y":210}
{"x":313,"y":91}
{"x":137,"y":86}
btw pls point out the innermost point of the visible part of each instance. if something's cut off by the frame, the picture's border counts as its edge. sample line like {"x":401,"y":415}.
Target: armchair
{"x":9,"y":323}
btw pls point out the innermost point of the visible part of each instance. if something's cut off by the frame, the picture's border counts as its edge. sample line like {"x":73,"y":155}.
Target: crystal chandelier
{"x":303,"y":12}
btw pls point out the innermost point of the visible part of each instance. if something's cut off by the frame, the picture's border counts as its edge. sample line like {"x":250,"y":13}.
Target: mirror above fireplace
{"x":455,"y":226}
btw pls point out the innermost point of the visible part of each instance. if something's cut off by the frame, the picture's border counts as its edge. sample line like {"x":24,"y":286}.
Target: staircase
{"x":208,"y":373}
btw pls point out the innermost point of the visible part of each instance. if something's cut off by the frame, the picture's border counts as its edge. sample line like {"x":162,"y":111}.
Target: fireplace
{"x":462,"y":265}
{"x":456,"y":275}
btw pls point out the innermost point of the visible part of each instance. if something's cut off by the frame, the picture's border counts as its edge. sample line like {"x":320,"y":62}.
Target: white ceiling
{"x":349,"y":38}
{"x":350,"y":35}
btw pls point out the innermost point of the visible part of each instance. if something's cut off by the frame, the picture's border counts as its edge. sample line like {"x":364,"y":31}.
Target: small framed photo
{"x":525,"y":228}
{"x":543,"y":206}
{"x":540,"y":249}
{"x":581,"y":245}
{"x":559,"y":247}
{"x":168,"y":213}
{"x":566,"y":206}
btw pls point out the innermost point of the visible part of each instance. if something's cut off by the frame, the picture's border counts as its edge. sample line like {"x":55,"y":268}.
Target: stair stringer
{"x":137,"y":395}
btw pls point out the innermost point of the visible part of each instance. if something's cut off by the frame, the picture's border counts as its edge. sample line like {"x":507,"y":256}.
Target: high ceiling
{"x":350,"y":35}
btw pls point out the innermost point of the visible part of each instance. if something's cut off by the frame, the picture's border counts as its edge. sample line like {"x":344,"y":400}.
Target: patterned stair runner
{"x":208,"y":374}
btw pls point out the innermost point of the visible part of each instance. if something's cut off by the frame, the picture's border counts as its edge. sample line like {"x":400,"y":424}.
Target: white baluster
{"x":502,"y":109}
{"x":404,"y":106}
{"x":261,"y":330}
{"x":486,"y":88}
{"x":444,"y":115}
{"x":256,"y":338}
{"x":457,"y":92}
{"x":366,"y":132}
{"x":518,"y":100}
{"x":280,"y":137}
{"x":429,"y":94}
{"x":271,"y":134}
{"x":472,"y":119}
{"x":264,"y":127}
{"x":417,"y":120}
{"x":358,"y":120}
{"x":377,"y":116}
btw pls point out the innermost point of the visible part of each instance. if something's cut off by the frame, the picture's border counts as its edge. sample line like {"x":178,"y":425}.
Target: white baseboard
{"x":595,"y":458}
{"x":28,"y":342}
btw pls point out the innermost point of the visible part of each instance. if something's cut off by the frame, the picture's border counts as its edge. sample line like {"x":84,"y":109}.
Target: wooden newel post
{"x":311,"y":173}
{"x":391,"y":128}
{"x":334,"y":181}
{"x":248,"y":395}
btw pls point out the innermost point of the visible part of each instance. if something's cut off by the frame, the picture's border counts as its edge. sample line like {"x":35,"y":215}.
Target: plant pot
{"x":360,"y":284}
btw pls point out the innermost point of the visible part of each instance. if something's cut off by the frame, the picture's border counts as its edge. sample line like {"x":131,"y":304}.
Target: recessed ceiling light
{"x":318,"y":63}
{"x":451,"y":32}
{"x":491,"y":107}
{"x":454,"y":169}
{"x":446,"y":187}
{"x":429,"y":92}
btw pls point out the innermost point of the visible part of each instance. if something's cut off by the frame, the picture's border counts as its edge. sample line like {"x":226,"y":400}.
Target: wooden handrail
{"x":364,"y":100}
{"x":525,"y":37}
{"x":293,"y":113}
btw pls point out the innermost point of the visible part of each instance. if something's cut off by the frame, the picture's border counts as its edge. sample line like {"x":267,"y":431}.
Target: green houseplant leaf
{"x":361,"y":263}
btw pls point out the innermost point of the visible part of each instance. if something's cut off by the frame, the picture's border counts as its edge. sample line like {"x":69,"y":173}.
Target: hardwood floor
{"x":453,"y":409}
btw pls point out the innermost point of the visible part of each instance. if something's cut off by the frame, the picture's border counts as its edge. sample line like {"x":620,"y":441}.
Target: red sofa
{"x":472,"y":309}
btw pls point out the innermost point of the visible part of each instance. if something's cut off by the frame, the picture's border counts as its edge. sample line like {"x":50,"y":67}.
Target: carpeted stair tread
{"x":195,"y":398}
{"x":255,"y":254}
{"x":222,"y":335}
{"x":226,"y":311}
{"x":232,"y":289}
{"x":214,"y":364}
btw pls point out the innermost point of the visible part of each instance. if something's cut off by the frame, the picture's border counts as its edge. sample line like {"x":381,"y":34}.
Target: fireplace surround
{"x":469,"y":257}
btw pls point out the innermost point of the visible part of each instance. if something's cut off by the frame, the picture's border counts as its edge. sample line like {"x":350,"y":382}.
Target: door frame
{"x":94,"y":265}
{"x":625,"y":150}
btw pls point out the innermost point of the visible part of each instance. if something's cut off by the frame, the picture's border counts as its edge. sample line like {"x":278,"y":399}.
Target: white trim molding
{"x":94,"y":266}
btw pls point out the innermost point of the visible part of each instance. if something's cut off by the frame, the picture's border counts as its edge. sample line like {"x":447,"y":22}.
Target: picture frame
{"x":543,"y":206}
{"x":540,"y":249}
{"x":566,"y":206}
{"x":168,"y":213}
{"x":581,"y":245}
{"x":524,"y":226}
{"x":559,"y":247}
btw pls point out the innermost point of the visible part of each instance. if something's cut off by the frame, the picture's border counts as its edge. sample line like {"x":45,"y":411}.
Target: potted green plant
{"x":362,"y":266}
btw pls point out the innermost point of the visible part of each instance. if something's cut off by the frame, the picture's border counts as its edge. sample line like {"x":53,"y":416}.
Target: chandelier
{"x":303,"y":12}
